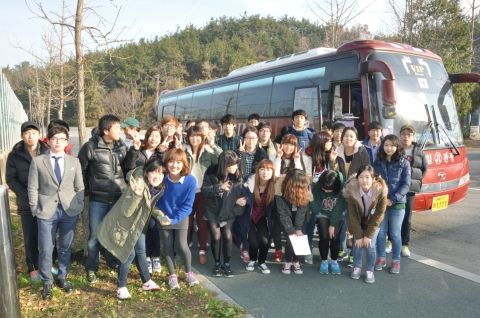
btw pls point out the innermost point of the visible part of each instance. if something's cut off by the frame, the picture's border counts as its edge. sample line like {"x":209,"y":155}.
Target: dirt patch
{"x":471,"y":143}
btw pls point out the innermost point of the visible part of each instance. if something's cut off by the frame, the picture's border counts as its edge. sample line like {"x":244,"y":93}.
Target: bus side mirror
{"x":389,"y":99}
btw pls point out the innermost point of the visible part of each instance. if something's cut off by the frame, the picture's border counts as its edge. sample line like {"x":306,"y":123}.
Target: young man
{"x":337,"y":129}
{"x":419,"y":165}
{"x":300,"y":129}
{"x":101,"y":159}
{"x":373,"y":141}
{"x":131,"y":128}
{"x":69,"y":146}
{"x":18,"y":167}
{"x":327,"y":126}
{"x":55,"y":193}
{"x":264,"y":134}
{"x":253,"y":120}
{"x":228,"y":140}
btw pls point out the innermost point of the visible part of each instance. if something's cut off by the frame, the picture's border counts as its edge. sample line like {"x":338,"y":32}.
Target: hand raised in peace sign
{"x":296,"y":155}
{"x":279,"y":153}
{"x":241,"y":147}
{"x":138,"y":189}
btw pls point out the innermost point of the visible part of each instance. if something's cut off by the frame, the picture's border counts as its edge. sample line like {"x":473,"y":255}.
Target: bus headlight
{"x":464,"y":179}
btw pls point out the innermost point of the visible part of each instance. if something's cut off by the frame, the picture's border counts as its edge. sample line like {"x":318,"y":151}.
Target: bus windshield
{"x":419,"y":82}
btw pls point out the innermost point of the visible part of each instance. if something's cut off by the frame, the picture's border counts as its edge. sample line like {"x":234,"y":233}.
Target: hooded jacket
{"x":220,"y":206}
{"x":368,"y":148}
{"x":17,"y":170}
{"x":397,"y":175}
{"x":328,"y":204}
{"x":120,"y":229}
{"x":303,"y":136}
{"x":284,"y":209}
{"x":102,"y":171}
{"x":206,"y":157}
{"x":360,"y":158}
{"x":376,"y":210}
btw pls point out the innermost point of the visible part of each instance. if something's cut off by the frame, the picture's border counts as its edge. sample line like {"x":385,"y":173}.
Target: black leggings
{"x":217,"y":233}
{"x":289,"y":252}
{"x":258,"y":240}
{"x":276,"y":230}
{"x":325,"y":241}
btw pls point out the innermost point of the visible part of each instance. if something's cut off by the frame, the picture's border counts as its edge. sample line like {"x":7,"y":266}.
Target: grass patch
{"x":99,"y":299}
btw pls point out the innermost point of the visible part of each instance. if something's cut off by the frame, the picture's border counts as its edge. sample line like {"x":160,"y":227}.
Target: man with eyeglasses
{"x":264,"y":140}
{"x":55,"y":194}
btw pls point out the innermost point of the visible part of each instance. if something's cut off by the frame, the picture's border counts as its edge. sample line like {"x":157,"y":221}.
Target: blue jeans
{"x":140,"y":261}
{"x":97,"y":211}
{"x":343,"y":233}
{"x":47,"y":230}
{"x":370,"y":252}
{"x":392,"y":222}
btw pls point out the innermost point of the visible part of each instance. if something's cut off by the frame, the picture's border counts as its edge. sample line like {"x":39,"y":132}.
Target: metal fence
{"x":12,"y":116}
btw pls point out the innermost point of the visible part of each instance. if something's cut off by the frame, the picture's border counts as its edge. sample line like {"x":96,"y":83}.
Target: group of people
{"x":238,"y":189}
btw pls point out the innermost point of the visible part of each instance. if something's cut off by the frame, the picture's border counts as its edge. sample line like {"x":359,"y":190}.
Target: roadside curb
{"x":207,"y":283}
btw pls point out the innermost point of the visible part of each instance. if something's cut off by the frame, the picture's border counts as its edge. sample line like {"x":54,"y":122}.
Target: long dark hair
{"x":153,"y":165}
{"x":196,"y":131}
{"x":226,"y":159}
{"x":399,"y":153}
{"x":149,"y":132}
{"x":320,"y":157}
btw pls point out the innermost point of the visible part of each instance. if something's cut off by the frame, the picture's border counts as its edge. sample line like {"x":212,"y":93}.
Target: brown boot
{"x":202,"y":259}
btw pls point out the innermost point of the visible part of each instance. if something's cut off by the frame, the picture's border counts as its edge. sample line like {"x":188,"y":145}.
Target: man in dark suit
{"x":55,"y":193}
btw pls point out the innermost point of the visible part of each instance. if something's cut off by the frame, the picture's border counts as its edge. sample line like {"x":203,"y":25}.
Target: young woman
{"x":200,"y":156}
{"x":394,"y":168}
{"x":366,"y":195}
{"x":223,"y":201}
{"x":319,"y":156}
{"x":137,"y":155}
{"x":287,"y":157}
{"x":351,"y":156}
{"x":328,"y":205}
{"x":292,"y":206}
{"x":176,"y":204}
{"x":259,"y":189}
{"x":122,"y":231}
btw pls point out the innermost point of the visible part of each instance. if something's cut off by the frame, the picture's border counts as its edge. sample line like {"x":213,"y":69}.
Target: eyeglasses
{"x":169,"y":126}
{"x":264,"y":131}
{"x":251,"y":138}
{"x":58,"y":139}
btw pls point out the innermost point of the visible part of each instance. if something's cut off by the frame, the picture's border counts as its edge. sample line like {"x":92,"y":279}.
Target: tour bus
{"x":360,"y":82}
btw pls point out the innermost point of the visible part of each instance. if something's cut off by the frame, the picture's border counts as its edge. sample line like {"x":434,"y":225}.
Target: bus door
{"x":347,"y":104}
{"x":307,"y":98}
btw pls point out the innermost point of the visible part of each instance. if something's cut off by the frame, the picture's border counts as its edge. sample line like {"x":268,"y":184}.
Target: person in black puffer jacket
{"x":101,"y":159}
{"x":18,"y":167}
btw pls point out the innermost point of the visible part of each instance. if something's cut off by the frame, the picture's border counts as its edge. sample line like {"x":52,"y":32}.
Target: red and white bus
{"x":357,"y":83}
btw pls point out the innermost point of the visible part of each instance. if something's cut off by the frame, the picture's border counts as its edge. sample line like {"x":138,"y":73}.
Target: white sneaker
{"x":122,"y":293}
{"x":356,"y":273}
{"x":150,"y":285}
{"x":370,"y":277}
{"x":388,"y":247}
{"x":263,"y":267}
{"x":173,"y":282}
{"x":191,"y":279}
{"x":286,"y":269}
{"x":149,"y":262}
{"x":157,"y":267}
{"x":405,"y":251}
{"x":296,"y":268}
{"x":251,"y":266}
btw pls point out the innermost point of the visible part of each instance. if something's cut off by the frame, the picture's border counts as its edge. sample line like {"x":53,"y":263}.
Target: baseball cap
{"x":407,"y":126}
{"x":29,"y":124}
{"x":130,"y":122}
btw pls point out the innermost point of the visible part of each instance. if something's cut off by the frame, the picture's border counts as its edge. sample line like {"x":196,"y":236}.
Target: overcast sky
{"x":149,"y":18}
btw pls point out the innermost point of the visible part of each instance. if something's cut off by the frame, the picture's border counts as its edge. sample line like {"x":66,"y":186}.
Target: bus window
{"x":307,"y":99}
{"x":326,"y":111}
{"x":224,"y":100}
{"x":254,"y":97}
{"x":201,"y":104}
{"x":285,"y":84}
{"x":184,"y":106}
{"x":168,"y":106}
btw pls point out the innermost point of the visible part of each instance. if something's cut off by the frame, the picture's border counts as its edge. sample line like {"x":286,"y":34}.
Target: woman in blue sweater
{"x":394,"y":168}
{"x":176,"y":204}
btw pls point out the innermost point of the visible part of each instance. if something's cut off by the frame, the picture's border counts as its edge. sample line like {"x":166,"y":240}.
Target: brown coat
{"x":360,"y":158}
{"x":355,"y":208}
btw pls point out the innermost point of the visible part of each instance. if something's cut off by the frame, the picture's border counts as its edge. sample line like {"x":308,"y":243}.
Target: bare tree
{"x":336,"y":14}
{"x":122,"y":101}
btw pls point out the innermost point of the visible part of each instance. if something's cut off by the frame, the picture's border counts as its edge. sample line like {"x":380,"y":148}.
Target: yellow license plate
{"x":440,"y":203}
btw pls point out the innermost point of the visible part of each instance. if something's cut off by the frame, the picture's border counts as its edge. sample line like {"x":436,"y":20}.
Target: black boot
{"x":63,"y":284}
{"x":47,"y":291}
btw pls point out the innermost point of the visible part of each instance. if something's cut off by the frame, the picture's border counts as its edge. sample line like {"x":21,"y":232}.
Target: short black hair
{"x":375,"y":125}
{"x":330,"y":180}
{"x":253,"y":116}
{"x":95,"y":131}
{"x":299,"y":112}
{"x":338,"y":126}
{"x":228,"y":119}
{"x":250,"y":129}
{"x":57,"y":129}
{"x":58,"y":122}
{"x":106,"y":122}
{"x":327,"y":124}
{"x":189,"y":122}
{"x":214,"y":125}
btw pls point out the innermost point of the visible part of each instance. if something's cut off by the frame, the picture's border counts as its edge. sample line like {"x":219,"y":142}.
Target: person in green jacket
{"x":122,"y":231}
{"x":328,"y":205}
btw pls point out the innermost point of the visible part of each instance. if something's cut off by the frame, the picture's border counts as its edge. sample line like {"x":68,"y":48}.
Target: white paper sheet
{"x":300,"y":244}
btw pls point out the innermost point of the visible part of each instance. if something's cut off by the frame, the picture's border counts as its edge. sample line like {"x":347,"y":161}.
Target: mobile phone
{"x":163,"y":218}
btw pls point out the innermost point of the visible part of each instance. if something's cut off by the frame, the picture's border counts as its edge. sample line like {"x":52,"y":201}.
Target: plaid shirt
{"x":248,"y":162}
{"x":225,"y":143}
